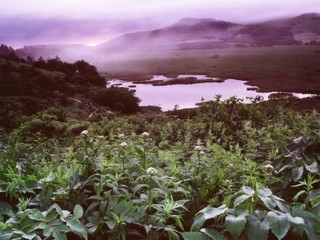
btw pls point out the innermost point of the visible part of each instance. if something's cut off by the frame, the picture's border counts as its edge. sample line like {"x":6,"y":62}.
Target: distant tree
{"x":85,"y":68}
{"x":30,"y":60}
{"x":8,"y":53}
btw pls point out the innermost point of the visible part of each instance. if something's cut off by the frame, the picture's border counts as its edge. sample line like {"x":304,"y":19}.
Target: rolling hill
{"x":191,"y":33}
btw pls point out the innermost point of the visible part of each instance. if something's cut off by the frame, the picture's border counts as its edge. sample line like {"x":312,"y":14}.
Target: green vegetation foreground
{"x":230,"y":171}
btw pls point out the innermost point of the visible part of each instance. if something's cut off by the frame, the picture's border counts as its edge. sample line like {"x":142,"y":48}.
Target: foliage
{"x":229,"y":171}
{"x":118,"y":99}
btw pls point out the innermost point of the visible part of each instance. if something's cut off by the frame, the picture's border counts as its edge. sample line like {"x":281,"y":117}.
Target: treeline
{"x":8,"y":53}
{"x":78,"y":68}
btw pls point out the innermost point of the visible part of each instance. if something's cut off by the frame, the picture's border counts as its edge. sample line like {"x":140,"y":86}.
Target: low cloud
{"x":25,"y":22}
{"x":31,"y":31}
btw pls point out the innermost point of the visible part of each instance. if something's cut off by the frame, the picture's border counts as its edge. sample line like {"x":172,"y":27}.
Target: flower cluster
{"x":197,"y":148}
{"x":145,"y":134}
{"x":151,"y":171}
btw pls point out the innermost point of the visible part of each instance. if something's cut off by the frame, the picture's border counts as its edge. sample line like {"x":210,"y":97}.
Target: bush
{"x":118,"y":99}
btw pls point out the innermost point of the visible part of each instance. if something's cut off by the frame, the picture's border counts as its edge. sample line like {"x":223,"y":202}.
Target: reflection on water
{"x":186,"y":96}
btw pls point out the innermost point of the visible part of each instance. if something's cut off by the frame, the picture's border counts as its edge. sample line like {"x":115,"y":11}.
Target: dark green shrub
{"x":118,"y":99}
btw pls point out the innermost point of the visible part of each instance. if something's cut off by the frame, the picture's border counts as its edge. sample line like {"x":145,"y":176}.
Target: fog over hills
{"x":193,"y":33}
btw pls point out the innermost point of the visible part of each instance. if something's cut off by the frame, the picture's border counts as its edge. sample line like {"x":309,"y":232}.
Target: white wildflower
{"x":84,"y":133}
{"x":202,"y":152}
{"x":123,"y":144}
{"x":145,"y":134}
{"x":151,"y":171}
{"x":121,"y":135}
{"x":197,"y":148}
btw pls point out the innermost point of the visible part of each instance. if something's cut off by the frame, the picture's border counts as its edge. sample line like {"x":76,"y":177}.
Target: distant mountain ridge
{"x":197,"y":33}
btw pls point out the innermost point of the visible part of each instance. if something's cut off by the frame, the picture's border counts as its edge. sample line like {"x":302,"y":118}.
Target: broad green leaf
{"x":295,"y":220}
{"x":258,"y":228}
{"x":37,"y":215}
{"x":311,"y":232}
{"x":298,"y":223}
{"x":282,"y":206}
{"x":76,"y":227}
{"x":240,"y":199}
{"x":279,"y":224}
{"x":248,"y":190}
{"x":213,"y":234}
{"x":194,"y":236}
{"x":29,"y":236}
{"x":236,"y":223}
{"x":264,"y":192}
{"x":314,"y":194}
{"x":59,"y":235}
{"x":57,"y":208}
{"x":297,"y":173}
{"x":6,"y":236}
{"x":78,"y":211}
{"x":5,"y":209}
{"x":65,"y":214}
{"x":42,"y":225}
{"x":25,"y":235}
{"x":47,"y":231}
{"x":280,"y":203}
{"x":111,"y":224}
{"x":138,"y":187}
{"x":205,"y":214}
{"x":312,"y":168}
{"x":61,"y":228}
{"x":299,"y":211}
{"x":268,"y":202}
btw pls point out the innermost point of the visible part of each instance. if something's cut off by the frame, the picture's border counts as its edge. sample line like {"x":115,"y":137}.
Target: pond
{"x":188,"y":95}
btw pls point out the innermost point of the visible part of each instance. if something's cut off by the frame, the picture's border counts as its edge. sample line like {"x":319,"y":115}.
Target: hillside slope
{"x":192,"y":33}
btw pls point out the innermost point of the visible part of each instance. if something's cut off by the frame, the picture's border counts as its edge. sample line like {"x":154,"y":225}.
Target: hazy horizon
{"x":92,"y":22}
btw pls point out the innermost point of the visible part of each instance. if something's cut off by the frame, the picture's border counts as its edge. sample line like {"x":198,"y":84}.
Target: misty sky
{"x":26,"y":22}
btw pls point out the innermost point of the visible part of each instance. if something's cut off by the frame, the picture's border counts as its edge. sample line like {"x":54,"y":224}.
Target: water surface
{"x":188,"y":95}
